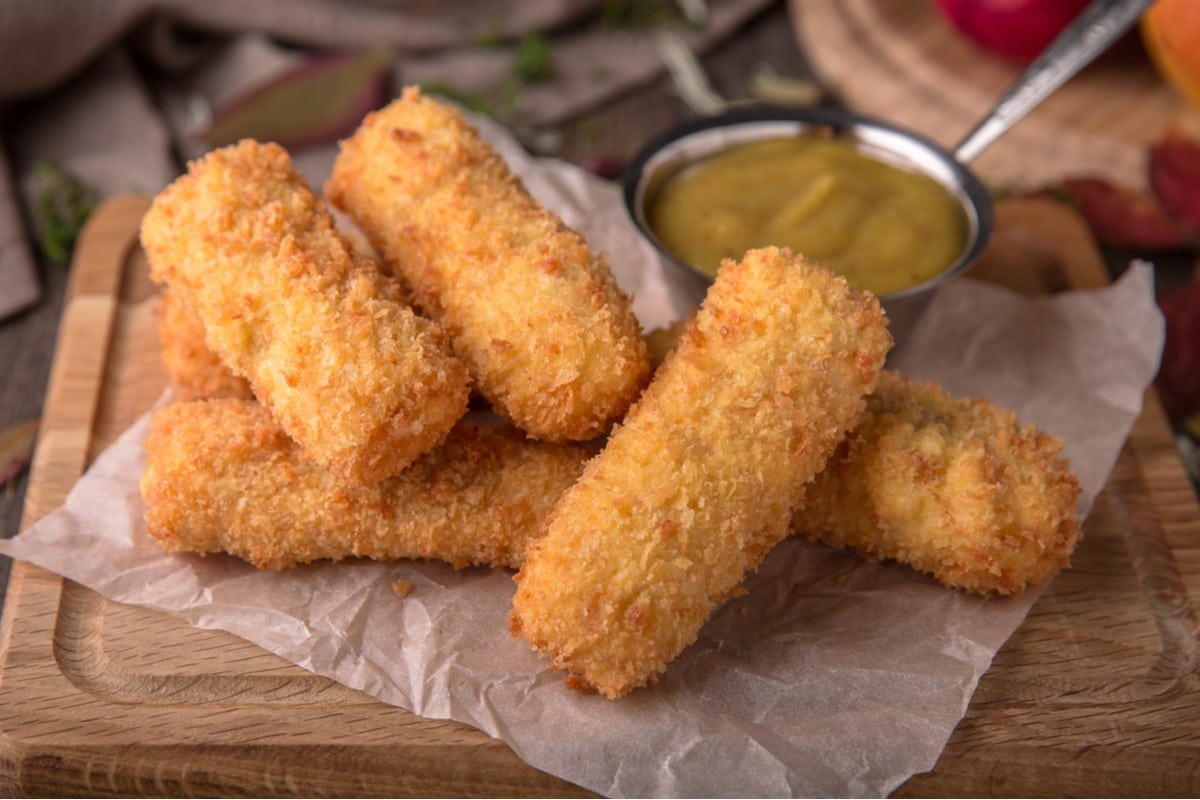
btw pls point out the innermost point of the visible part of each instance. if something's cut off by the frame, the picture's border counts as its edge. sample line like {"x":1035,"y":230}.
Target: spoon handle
{"x":1086,"y":37}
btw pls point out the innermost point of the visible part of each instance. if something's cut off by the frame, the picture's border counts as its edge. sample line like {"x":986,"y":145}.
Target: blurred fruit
{"x":1015,"y":29}
{"x":1171,"y":31}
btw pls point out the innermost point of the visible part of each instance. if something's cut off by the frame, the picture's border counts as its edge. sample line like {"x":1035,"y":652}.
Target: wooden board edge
{"x":35,"y":575}
{"x":80,"y":356}
{"x":92,"y":310}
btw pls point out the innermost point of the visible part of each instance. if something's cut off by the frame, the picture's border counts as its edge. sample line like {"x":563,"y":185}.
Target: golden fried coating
{"x":548,"y":336}
{"x":700,"y":480}
{"x":349,"y":371}
{"x":661,"y":341}
{"x":222,"y":476}
{"x":951,"y":486}
{"x":195,"y":370}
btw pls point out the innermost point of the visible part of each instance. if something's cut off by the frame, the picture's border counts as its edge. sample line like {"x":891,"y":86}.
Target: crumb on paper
{"x":402,"y":588}
{"x":578,"y":684}
{"x":739,"y":591}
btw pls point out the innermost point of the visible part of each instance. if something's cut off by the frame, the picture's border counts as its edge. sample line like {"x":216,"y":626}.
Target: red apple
{"x":1015,"y":29}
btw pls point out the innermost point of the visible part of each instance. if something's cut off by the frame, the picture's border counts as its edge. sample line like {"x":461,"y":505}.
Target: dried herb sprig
{"x":533,"y":62}
{"x":63,"y":204}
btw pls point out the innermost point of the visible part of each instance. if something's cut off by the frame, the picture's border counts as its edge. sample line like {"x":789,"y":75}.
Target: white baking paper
{"x":831,"y":677}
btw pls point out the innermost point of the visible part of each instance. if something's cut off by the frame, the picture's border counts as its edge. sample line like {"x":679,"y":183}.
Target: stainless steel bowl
{"x":689,"y":143}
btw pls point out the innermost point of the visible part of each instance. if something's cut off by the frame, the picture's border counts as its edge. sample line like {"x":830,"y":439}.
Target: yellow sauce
{"x":882,"y":227}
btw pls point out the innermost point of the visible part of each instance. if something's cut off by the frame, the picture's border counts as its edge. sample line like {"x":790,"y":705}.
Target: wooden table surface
{"x":27,"y":342}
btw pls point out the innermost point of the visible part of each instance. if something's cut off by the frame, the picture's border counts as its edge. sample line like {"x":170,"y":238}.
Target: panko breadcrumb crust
{"x":350,"y":372}
{"x":549,"y":338}
{"x":195,"y":370}
{"x":222,"y":476}
{"x":956,"y":487}
{"x":699,"y":482}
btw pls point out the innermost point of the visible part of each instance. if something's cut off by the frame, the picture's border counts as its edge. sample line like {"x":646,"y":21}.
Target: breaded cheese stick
{"x":955,"y":487}
{"x":222,"y":476}
{"x":194,"y":369}
{"x":349,"y":371}
{"x":548,"y":336}
{"x":700,"y":480}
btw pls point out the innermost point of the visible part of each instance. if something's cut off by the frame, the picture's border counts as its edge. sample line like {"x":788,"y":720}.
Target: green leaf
{"x":320,"y":100}
{"x":641,"y":13}
{"x":474,"y":102}
{"x":533,"y":62}
{"x":62,"y":205}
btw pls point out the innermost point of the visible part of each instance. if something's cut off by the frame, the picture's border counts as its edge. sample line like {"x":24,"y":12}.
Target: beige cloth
{"x":70,"y":91}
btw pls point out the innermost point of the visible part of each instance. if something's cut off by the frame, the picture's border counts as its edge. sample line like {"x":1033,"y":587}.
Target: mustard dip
{"x":882,"y":227}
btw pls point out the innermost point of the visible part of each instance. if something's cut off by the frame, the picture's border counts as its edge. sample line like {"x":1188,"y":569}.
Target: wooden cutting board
{"x":1097,"y":693}
{"x":899,"y":60}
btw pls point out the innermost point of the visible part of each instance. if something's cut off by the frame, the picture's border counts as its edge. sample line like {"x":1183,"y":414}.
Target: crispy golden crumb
{"x":221,"y":476}
{"x":699,"y":482}
{"x":661,"y":341}
{"x":349,"y":371}
{"x":194,"y":369}
{"x":402,"y":588}
{"x":955,"y":487}
{"x":549,"y":337}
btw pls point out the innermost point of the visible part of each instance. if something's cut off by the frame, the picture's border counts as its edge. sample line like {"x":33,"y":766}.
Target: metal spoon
{"x":1098,"y":26}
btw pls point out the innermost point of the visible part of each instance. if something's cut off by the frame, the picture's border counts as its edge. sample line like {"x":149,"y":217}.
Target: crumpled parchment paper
{"x":830,"y":677}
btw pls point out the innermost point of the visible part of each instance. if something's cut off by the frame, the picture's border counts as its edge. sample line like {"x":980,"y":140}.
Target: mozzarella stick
{"x":348,"y":370}
{"x":955,"y":487}
{"x":700,"y":480}
{"x":549,"y":338}
{"x":195,"y":370}
{"x":222,"y":476}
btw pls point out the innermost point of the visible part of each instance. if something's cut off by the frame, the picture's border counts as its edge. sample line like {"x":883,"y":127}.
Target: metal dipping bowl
{"x":1096,"y":27}
{"x":667,"y":155}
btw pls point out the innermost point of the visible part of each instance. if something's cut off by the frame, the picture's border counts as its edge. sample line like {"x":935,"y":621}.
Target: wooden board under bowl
{"x":1096,"y":693}
{"x":899,"y":60}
